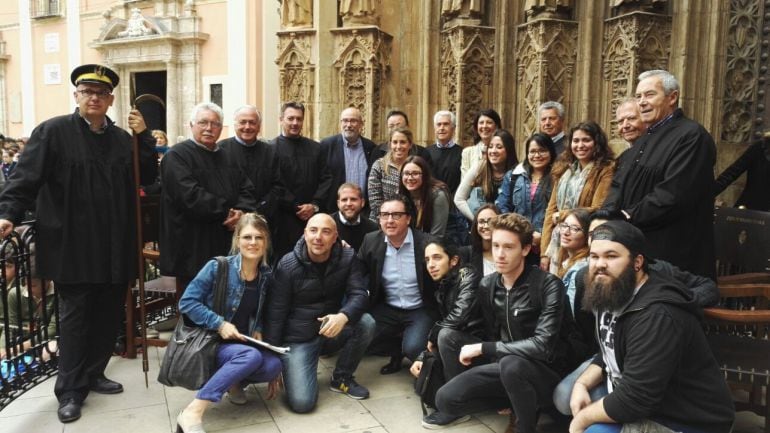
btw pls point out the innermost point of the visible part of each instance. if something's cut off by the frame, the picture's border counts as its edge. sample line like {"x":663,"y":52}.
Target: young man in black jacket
{"x":660,"y":372}
{"x":525,"y":346}
{"x":317,"y":306}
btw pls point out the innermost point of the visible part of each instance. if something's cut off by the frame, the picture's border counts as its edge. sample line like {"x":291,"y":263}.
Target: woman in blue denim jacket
{"x":248,"y":279}
{"x":527,"y":188}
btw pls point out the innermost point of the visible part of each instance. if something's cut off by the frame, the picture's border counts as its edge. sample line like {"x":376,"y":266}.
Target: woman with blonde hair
{"x":385,"y":175}
{"x":249,"y":277}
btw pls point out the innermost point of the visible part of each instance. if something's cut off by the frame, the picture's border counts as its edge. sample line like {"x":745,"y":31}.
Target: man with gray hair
{"x":630,"y":125}
{"x":550,"y":114}
{"x":255,"y":158}
{"x":446,"y":159}
{"x":203,"y":197}
{"x":664,"y":184}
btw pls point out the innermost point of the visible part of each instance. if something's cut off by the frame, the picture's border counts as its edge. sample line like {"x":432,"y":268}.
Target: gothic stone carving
{"x":462,"y":11}
{"x":626,"y":6}
{"x":743,"y":77}
{"x":362,"y":60}
{"x":633,"y":43}
{"x":548,"y":9}
{"x":546,"y":55}
{"x":296,"y":70}
{"x":296,"y":14}
{"x":467,"y":59}
{"x":137,"y":26}
{"x":359,"y":12}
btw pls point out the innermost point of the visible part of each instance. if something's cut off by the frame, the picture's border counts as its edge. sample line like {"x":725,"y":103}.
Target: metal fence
{"x":29,"y":320}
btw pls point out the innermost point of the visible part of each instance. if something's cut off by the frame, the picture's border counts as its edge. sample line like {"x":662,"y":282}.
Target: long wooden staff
{"x":140,"y":238}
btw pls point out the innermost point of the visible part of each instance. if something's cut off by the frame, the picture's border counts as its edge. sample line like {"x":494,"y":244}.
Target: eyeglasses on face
{"x":564,"y":227}
{"x":208,"y":123}
{"x":394,"y":215}
{"x":412,"y":174}
{"x":537,"y":152}
{"x":485,"y":222}
{"x":89,"y":93}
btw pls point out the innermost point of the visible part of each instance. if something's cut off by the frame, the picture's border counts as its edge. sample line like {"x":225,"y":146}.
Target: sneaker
{"x":236,"y":395}
{"x":438,"y":420}
{"x":349,"y":387}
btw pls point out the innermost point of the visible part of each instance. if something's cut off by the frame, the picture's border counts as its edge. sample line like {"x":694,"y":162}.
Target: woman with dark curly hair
{"x":581,"y":178}
{"x":482,"y":183}
{"x":429,"y":196}
{"x":485,"y":124}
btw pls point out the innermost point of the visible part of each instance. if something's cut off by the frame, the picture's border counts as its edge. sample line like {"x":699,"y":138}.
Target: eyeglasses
{"x":395,"y":215}
{"x":566,"y":228}
{"x":88,"y":93}
{"x":252,"y":238}
{"x":245,"y":122}
{"x":412,"y":174}
{"x":208,"y":123}
{"x":537,"y":152}
{"x":485,"y":222}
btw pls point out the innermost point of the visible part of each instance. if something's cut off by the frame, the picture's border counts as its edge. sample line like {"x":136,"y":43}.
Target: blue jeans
{"x":648,"y":426}
{"x":563,"y":391}
{"x":301,"y":363}
{"x":414,"y":324}
{"x":239,"y":363}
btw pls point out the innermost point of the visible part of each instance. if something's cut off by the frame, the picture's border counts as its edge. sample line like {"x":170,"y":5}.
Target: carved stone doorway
{"x":154,"y":83}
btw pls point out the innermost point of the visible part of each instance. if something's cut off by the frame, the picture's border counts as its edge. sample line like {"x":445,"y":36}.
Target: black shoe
{"x":69,"y":410}
{"x":394,"y":366}
{"x":102,"y":385}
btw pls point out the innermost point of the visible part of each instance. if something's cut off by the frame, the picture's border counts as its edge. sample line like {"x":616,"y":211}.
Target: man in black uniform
{"x":305,"y":175}
{"x":203,"y":197}
{"x":79,"y":169}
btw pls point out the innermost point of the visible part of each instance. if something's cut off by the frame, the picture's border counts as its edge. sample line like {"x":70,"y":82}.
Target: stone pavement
{"x":392,"y":407}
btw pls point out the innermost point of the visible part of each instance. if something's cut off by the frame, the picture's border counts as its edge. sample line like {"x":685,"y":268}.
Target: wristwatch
{"x":315,"y":208}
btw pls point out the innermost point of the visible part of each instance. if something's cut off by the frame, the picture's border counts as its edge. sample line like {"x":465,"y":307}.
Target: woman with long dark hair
{"x":482,"y":183}
{"x":479,"y":253}
{"x":429,"y":196}
{"x":527,"y":188}
{"x":581,"y":178}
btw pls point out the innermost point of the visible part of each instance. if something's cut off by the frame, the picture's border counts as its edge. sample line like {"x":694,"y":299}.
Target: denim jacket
{"x":514,"y":197}
{"x":198,"y":298}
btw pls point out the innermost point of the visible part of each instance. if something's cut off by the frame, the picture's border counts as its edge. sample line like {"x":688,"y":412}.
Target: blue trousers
{"x":414,"y":325}
{"x":563,"y":391}
{"x":301,"y":363}
{"x":238,"y":363}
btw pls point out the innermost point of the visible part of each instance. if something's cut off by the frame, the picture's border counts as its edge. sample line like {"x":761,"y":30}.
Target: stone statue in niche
{"x":136,"y":26}
{"x":624,"y":6}
{"x":548,"y":8}
{"x":361,"y":12}
{"x":461,"y":8}
{"x":296,"y":13}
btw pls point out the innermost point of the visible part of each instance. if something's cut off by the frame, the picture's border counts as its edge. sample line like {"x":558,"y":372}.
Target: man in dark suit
{"x":349,"y":155}
{"x":400,"y":291}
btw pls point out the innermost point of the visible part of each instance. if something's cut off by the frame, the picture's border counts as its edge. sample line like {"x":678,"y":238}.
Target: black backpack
{"x":429,"y":381}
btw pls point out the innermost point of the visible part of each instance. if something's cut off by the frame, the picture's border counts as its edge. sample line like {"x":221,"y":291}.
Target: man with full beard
{"x":660,"y":372}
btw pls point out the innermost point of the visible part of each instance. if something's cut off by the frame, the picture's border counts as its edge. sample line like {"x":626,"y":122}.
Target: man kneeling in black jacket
{"x":305,"y":311}
{"x":661,"y":374}
{"x":526,"y":322}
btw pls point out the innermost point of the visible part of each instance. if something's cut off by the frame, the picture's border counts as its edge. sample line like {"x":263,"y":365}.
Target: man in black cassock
{"x":203,"y":197}
{"x":305,"y":176}
{"x":664,"y":183}
{"x":79,"y":168}
{"x":256,"y":158}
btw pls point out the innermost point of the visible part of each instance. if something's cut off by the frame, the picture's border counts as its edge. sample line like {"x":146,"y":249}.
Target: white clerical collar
{"x":350,"y":223}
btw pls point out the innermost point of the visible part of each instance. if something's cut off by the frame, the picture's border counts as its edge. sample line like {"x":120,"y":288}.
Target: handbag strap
{"x":220,"y":285}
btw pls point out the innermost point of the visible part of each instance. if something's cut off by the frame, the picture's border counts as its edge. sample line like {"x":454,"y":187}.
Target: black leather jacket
{"x":518,"y":325}
{"x":457,"y":303}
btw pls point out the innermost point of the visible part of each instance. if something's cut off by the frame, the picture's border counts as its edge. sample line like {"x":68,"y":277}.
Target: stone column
{"x":297,"y":70}
{"x":3,"y":95}
{"x":362,"y":63}
{"x":175,"y":118}
{"x":467,"y":64}
{"x":546,"y":52}
{"x":634,"y":42}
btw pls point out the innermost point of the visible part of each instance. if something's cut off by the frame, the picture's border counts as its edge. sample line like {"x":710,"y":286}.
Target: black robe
{"x":199,"y":189}
{"x":84,"y":185}
{"x":755,"y":161}
{"x":260,"y":164}
{"x":666,"y":183}
{"x":306,"y":178}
